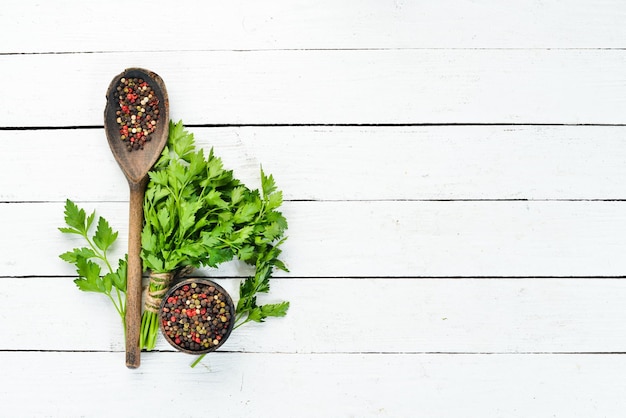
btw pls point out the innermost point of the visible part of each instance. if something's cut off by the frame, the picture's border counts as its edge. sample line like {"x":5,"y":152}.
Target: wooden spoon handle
{"x":133,"y":290}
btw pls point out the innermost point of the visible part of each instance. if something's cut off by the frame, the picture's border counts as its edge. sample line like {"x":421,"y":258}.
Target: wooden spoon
{"x":135,"y":165}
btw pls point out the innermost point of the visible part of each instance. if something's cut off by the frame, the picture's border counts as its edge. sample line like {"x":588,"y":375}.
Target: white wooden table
{"x":454,"y":175}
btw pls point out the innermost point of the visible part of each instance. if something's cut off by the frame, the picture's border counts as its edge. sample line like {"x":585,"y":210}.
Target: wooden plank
{"x":329,"y":86}
{"x":381,"y":239}
{"x":355,"y":315}
{"x":390,"y":163}
{"x":305,"y":385}
{"x":76,"y":27}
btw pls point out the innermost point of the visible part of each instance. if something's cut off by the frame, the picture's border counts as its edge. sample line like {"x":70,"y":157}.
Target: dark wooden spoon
{"x":135,"y":165}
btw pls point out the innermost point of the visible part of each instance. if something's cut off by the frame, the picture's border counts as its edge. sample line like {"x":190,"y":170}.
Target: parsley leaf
{"x":76,"y":219}
{"x":260,"y":313}
{"x":104,"y":236}
{"x":119,"y":277}
{"x":72,"y":256}
{"x":89,"y":260}
{"x":89,"y":276}
{"x":267,"y":184}
{"x":246,"y":212}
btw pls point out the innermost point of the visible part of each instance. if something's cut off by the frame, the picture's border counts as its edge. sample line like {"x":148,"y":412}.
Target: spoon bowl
{"x":135,"y":165}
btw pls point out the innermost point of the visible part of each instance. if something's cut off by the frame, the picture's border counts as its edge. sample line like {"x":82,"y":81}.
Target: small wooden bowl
{"x":163,"y":316}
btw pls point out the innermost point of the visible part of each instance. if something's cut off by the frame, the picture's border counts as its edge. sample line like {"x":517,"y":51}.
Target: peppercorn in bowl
{"x":196,"y":316}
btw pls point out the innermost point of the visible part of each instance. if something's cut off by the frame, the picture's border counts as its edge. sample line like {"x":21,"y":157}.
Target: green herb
{"x":186,"y":198}
{"x":263,"y":251}
{"x":197,"y":214}
{"x":90,"y":278}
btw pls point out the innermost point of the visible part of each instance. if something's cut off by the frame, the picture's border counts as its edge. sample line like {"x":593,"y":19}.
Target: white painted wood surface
{"x":454,"y":182}
{"x":388,"y":86}
{"x":321,"y":163}
{"x":297,"y":24}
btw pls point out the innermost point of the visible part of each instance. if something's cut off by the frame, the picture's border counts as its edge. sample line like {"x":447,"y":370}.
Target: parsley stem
{"x":119,"y":299}
{"x":101,"y":255}
{"x":142,"y":336}
{"x":115,"y":304}
{"x":198,"y":360}
{"x":154,"y":329}
{"x":149,"y":330}
{"x":237,"y":325}
{"x":238,"y":316}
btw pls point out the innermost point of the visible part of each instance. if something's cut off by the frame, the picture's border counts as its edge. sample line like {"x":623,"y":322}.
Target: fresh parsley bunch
{"x":197,"y":214}
{"x":89,"y":260}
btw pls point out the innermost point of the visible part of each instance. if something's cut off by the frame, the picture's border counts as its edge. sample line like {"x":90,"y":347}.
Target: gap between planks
{"x":399,"y":277}
{"x":328,"y":125}
{"x":356,"y":353}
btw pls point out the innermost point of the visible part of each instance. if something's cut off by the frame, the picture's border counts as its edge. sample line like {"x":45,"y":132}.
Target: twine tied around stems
{"x":161,"y":282}
{"x":154,"y":297}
